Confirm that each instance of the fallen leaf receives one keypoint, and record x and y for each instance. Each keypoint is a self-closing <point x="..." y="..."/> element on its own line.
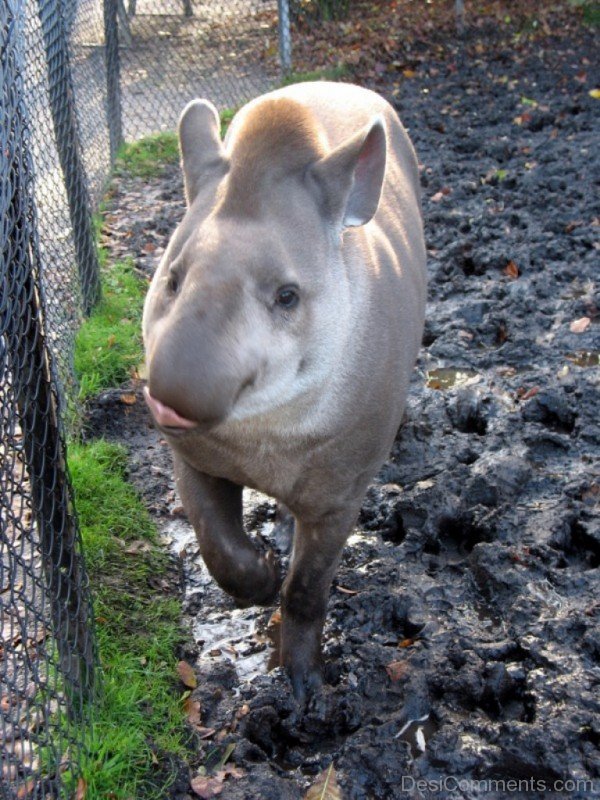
<point x="139" y="546"/>
<point x="275" y="618"/>
<point x="110" y="342"/>
<point x="511" y="270"/>
<point x="128" y="399"/>
<point x="396" y="669"/>
<point x="527" y="394"/>
<point x="406" y="643"/>
<point x="347" y="591"/>
<point x="325" y="787"/>
<point x="580" y="325"/>
<point x="206" y="787"/>
<point x="193" y="711"/>
<point x="409" y="73"/>
<point x="595" y="93"/>
<point x="25" y="789"/>
<point x="571" y="226"/>
<point x="81" y="789"/>
<point x="187" y="674"/>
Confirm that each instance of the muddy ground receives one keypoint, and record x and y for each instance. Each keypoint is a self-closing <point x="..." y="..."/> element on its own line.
<point x="463" y="636"/>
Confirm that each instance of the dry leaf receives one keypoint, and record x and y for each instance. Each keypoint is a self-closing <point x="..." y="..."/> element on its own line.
<point x="193" y="711"/>
<point x="396" y="669"/>
<point x="81" y="789"/>
<point x="206" y="787"/>
<point x="527" y="394"/>
<point x="347" y="591"/>
<point x="26" y="789"/>
<point x="580" y="325"/>
<point x="275" y="618"/>
<point x="325" y="787"/>
<point x="128" y="399"/>
<point x="187" y="674"/>
<point x="595" y="93"/>
<point x="139" y="546"/>
<point x="406" y="643"/>
<point x="511" y="270"/>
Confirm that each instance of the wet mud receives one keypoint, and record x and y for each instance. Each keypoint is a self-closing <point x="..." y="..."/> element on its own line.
<point x="463" y="636"/>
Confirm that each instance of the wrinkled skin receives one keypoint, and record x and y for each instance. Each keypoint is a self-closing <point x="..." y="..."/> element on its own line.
<point x="281" y="329"/>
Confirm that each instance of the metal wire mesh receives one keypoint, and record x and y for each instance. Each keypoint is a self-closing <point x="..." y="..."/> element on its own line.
<point x="77" y="77"/>
<point x="175" y="50"/>
<point x="46" y="647"/>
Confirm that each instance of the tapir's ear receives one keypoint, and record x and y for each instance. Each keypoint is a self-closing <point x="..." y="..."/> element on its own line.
<point x="202" y="151"/>
<point x="349" y="179"/>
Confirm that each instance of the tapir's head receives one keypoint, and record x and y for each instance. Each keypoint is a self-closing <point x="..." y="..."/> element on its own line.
<point x="250" y="303"/>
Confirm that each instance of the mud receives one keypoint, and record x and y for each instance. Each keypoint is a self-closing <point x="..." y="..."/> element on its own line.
<point x="463" y="635"/>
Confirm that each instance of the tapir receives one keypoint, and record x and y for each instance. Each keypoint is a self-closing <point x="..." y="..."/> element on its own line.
<point x="281" y="329"/>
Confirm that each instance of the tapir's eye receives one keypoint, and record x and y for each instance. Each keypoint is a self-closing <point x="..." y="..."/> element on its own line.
<point x="287" y="297"/>
<point x="172" y="283"/>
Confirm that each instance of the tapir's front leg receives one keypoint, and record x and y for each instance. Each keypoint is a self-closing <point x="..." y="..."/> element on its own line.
<point x="317" y="548"/>
<point x="214" y="507"/>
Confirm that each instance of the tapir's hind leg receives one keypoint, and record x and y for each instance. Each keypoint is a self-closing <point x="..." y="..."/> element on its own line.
<point x="214" y="507"/>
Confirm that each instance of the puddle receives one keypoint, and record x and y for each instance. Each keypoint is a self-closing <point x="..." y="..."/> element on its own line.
<point x="444" y="378"/>
<point x="417" y="733"/>
<point x="585" y="358"/>
<point x="249" y="637"/>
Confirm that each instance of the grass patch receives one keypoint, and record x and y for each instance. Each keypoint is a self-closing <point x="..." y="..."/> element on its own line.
<point x="139" y="727"/>
<point x="147" y="157"/>
<point x="108" y="346"/>
<point x="138" y="715"/>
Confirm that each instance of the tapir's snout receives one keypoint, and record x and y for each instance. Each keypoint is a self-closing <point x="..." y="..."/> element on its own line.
<point x="165" y="416"/>
<point x="194" y="380"/>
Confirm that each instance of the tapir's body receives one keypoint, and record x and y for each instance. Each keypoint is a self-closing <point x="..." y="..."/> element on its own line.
<point x="281" y="330"/>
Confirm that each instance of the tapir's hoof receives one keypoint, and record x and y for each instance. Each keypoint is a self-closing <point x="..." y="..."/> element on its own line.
<point x="306" y="681"/>
<point x="266" y="585"/>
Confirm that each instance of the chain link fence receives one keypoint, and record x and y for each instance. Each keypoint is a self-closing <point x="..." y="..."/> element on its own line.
<point x="77" y="78"/>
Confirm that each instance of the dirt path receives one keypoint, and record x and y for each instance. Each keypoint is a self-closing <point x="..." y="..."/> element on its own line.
<point x="463" y="636"/>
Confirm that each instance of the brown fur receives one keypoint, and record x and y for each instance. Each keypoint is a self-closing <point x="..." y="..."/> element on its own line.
<point x="278" y="137"/>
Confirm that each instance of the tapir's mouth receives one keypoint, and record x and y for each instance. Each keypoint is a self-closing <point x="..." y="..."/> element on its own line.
<point x="167" y="417"/>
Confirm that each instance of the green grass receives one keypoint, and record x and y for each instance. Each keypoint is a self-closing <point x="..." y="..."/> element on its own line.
<point x="139" y="723"/>
<point x="138" y="715"/>
<point x="148" y="157"/>
<point x="108" y="347"/>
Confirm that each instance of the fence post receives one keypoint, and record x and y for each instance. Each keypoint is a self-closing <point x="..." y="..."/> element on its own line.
<point x="459" y="12"/>
<point x="28" y="372"/>
<point x="66" y="133"/>
<point x="285" y="39"/>
<point x="113" y="79"/>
